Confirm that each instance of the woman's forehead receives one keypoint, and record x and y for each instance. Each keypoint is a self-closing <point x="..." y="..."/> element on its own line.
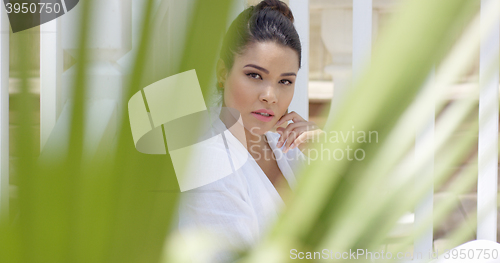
<point x="270" y="54"/>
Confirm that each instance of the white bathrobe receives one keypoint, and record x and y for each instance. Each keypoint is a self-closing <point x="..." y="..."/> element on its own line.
<point x="239" y="208"/>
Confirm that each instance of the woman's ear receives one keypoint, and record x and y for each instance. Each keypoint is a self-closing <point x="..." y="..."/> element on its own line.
<point x="221" y="71"/>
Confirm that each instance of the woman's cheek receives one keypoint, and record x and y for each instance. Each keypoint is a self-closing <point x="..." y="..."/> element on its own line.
<point x="237" y="98"/>
<point x="285" y="97"/>
<point x="242" y="95"/>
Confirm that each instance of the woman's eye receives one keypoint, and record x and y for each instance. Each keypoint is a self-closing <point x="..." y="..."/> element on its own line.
<point x="286" y="81"/>
<point x="254" y="75"/>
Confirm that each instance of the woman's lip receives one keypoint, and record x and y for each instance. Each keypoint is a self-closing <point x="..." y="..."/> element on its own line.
<point x="270" y="112"/>
<point x="262" y="118"/>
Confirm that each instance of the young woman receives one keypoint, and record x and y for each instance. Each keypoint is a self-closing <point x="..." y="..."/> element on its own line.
<point x="256" y="73"/>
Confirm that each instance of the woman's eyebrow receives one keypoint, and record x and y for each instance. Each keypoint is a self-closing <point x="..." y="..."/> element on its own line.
<point x="257" y="67"/>
<point x="267" y="71"/>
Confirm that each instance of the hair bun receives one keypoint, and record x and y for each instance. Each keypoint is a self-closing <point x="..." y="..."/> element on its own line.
<point x="275" y="5"/>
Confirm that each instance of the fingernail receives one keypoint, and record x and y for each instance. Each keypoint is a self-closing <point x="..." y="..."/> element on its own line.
<point x="279" y="144"/>
<point x="285" y="150"/>
<point x="292" y="146"/>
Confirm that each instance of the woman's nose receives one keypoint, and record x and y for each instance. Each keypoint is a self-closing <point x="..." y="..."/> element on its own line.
<point x="268" y="95"/>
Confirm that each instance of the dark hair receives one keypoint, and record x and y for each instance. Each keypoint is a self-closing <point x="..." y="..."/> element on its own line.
<point x="270" y="20"/>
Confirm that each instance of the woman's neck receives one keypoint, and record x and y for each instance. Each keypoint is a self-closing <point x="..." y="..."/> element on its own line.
<point x="256" y="140"/>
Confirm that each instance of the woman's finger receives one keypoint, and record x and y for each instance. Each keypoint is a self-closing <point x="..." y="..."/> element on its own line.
<point x="291" y="116"/>
<point x="291" y="138"/>
<point x="292" y="142"/>
<point x="286" y="131"/>
<point x="299" y="140"/>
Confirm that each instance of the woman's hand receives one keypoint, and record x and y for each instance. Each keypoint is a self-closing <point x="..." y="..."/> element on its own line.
<point x="296" y="134"/>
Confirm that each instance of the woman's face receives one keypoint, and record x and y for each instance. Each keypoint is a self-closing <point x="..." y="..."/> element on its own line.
<point x="262" y="80"/>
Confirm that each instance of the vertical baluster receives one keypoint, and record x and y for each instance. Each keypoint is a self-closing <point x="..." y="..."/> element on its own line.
<point x="4" y="114"/>
<point x="487" y="186"/>
<point x="109" y="40"/>
<point x="424" y="209"/>
<point x="300" y="102"/>
<point x="336" y="34"/>
<point x="126" y="62"/>
<point x="51" y="68"/>
<point x="361" y="35"/>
